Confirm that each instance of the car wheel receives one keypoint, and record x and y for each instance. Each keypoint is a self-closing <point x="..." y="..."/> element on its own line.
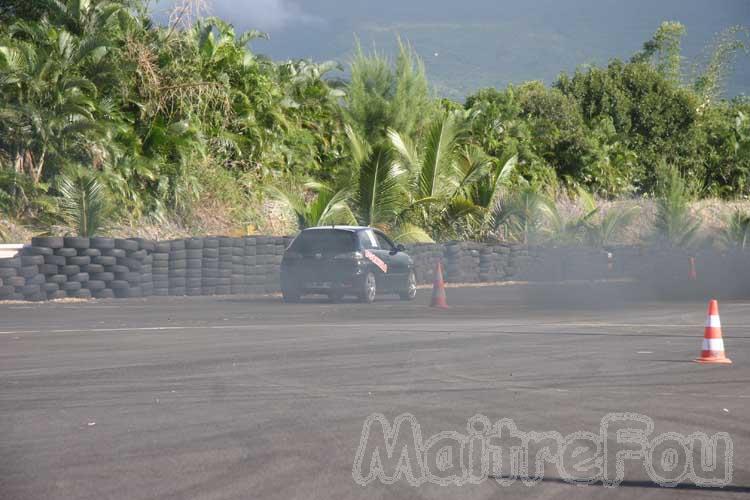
<point x="290" y="296"/>
<point x="411" y="288"/>
<point x="369" y="289"/>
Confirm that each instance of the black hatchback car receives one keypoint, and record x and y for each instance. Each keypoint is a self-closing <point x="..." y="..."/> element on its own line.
<point x="346" y="260"/>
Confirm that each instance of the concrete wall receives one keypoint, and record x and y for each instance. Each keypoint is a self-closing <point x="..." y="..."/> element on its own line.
<point x="56" y="267"/>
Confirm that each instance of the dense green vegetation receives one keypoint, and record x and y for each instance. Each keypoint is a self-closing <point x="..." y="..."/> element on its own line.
<point x="103" y="108"/>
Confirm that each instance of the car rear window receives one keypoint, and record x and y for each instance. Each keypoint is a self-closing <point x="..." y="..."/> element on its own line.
<point x="324" y="241"/>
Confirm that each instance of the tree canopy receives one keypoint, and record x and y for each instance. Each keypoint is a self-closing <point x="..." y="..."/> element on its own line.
<point x="167" y="117"/>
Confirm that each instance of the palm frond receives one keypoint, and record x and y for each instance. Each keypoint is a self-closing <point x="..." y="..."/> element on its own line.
<point x="331" y="207"/>
<point x="439" y="148"/>
<point x="520" y="213"/>
<point x="292" y="199"/>
<point x="472" y="165"/>
<point x="674" y="224"/>
<point x="380" y="195"/>
<point x="405" y="148"/>
<point x="407" y="233"/>
<point x="327" y="207"/>
<point x="249" y="36"/>
<point x="358" y="146"/>
<point x="83" y="203"/>
<point x="613" y="222"/>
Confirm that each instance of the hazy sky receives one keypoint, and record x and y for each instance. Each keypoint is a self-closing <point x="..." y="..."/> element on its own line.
<point x="470" y="43"/>
<point x="268" y="15"/>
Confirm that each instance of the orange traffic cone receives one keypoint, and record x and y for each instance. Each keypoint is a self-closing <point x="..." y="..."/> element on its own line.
<point x="692" y="274"/>
<point x="438" y="289"/>
<point x="713" y="344"/>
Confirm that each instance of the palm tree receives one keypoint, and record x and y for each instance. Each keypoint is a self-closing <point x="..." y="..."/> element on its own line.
<point x="486" y="191"/>
<point x="48" y="113"/>
<point x="381" y="95"/>
<point x="83" y="202"/>
<point x="379" y="195"/>
<point x="451" y="184"/>
<point x="521" y="213"/>
<point x="430" y="166"/>
<point x="85" y="16"/>
<point x="304" y="76"/>
<point x="600" y="232"/>
<point x="379" y="185"/>
<point x="328" y="207"/>
<point x="674" y="225"/>
<point x="561" y="228"/>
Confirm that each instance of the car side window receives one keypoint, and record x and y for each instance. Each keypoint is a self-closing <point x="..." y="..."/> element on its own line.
<point x="367" y="240"/>
<point x="384" y="242"/>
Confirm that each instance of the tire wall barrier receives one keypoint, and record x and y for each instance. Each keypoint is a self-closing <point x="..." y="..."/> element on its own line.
<point x="59" y="267"/>
<point x="665" y="271"/>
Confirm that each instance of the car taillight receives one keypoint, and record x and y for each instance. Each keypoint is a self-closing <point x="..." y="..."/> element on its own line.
<point x="353" y="256"/>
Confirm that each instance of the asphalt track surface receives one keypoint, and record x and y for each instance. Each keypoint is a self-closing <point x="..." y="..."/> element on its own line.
<point x="232" y="397"/>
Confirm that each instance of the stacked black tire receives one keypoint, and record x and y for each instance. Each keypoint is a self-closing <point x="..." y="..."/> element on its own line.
<point x="425" y="257"/>
<point x="462" y="262"/>
<point x="51" y="278"/>
<point x="520" y="262"/>
<point x="264" y="257"/>
<point x="160" y="268"/>
<point x="103" y="267"/>
<point x="273" y="284"/>
<point x="33" y="281"/>
<point x="9" y="279"/>
<point x="253" y="281"/>
<point x="210" y="266"/>
<point x="128" y="270"/>
<point x="226" y="252"/>
<point x="493" y="261"/>
<point x="20" y="278"/>
<point x="177" y="267"/>
<point x="626" y="260"/>
<point x="238" y="281"/>
<point x="146" y="249"/>
<point x="194" y="266"/>
<point x="78" y="254"/>
<point x="577" y="264"/>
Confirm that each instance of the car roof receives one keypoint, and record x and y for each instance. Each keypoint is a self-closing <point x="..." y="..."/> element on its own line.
<point x="352" y="229"/>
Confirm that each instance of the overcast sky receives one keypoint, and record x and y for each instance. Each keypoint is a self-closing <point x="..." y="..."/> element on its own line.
<point x="490" y="42"/>
<point x="268" y="15"/>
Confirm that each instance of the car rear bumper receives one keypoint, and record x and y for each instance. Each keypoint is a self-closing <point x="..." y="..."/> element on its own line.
<point x="307" y="281"/>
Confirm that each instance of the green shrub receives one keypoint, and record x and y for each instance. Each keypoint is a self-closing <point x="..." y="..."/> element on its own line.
<point x="737" y="233"/>
<point x="674" y="224"/>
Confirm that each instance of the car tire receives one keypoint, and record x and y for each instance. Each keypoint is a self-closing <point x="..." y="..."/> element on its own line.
<point x="290" y="296"/>
<point x="368" y="289"/>
<point x="411" y="287"/>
